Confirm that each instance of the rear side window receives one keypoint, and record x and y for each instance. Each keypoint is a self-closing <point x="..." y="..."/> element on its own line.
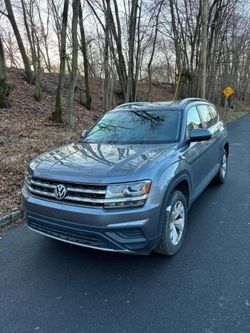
<point x="214" y="112"/>
<point x="207" y="115"/>
<point x="193" y="119"/>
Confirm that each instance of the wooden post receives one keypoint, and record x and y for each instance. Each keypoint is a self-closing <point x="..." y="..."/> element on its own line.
<point x="226" y="102"/>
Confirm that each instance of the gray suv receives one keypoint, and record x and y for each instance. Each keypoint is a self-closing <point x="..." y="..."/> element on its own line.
<point x="127" y="185"/>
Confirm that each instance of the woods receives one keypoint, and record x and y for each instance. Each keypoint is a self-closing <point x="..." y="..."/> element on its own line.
<point x="196" y="46"/>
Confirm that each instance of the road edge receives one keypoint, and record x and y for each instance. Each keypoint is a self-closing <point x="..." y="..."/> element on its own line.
<point x="10" y="217"/>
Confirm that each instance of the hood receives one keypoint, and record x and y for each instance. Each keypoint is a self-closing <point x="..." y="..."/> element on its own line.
<point x="101" y="163"/>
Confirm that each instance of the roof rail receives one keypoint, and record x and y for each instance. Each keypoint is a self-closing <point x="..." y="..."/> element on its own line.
<point x="192" y="99"/>
<point x="131" y="105"/>
<point x="181" y="102"/>
<point x="163" y="103"/>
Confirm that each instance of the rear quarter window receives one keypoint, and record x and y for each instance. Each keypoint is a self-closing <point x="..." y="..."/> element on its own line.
<point x="214" y="112"/>
<point x="208" y="116"/>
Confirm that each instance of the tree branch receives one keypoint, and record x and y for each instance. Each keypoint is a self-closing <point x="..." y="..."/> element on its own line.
<point x="3" y="13"/>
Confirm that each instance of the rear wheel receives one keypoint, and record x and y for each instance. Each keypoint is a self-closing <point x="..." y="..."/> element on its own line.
<point x="222" y="173"/>
<point x="174" y="221"/>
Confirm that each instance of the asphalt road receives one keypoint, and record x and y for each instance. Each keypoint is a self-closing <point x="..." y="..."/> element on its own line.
<point x="49" y="286"/>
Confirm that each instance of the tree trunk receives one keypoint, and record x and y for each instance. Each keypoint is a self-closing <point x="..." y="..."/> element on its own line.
<point x="153" y="50"/>
<point x="120" y="65"/>
<point x="45" y="33"/>
<point x="203" y="52"/>
<point x="34" y="42"/>
<point x="4" y="88"/>
<point x="176" y="37"/>
<point x="38" y="80"/>
<point x="88" y="98"/>
<point x="138" y="56"/>
<point x="115" y="40"/>
<point x="130" y="96"/>
<point x="106" y="81"/>
<point x="57" y="113"/>
<point x="11" y="17"/>
<point x="68" y="114"/>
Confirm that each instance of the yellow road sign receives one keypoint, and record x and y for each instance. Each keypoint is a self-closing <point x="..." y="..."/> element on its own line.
<point x="228" y="91"/>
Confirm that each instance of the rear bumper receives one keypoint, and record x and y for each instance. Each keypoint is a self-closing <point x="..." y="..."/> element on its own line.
<point x="134" y="230"/>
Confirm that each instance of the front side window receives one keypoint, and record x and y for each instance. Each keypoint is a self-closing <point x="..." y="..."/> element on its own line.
<point x="136" y="126"/>
<point x="193" y="119"/>
<point x="207" y="115"/>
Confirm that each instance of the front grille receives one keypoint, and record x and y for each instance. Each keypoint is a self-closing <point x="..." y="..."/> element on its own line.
<point x="81" y="194"/>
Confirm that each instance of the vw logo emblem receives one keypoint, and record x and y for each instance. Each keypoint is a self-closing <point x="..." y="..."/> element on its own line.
<point x="60" y="192"/>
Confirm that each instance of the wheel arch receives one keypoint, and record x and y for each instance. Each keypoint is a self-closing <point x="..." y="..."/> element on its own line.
<point x="181" y="183"/>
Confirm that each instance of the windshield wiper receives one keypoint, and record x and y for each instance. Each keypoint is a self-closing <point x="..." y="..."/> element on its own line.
<point x="87" y="141"/>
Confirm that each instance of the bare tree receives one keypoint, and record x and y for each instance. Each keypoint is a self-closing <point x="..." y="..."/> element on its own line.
<point x="4" y="88"/>
<point x="34" y="43"/>
<point x="127" y="72"/>
<point x="57" y="113"/>
<point x="10" y="49"/>
<point x="44" y="31"/>
<point x="157" y="16"/>
<point x="130" y="95"/>
<point x="202" y="77"/>
<point x="106" y="85"/>
<point x="55" y="7"/>
<point x="11" y="17"/>
<point x="68" y="112"/>
<point x="88" y="98"/>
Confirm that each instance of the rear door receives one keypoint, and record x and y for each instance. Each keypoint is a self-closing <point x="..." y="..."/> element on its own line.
<point x="210" y="121"/>
<point x="217" y="132"/>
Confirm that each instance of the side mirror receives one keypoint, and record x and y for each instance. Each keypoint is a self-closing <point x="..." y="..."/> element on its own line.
<point x="84" y="133"/>
<point x="200" y="134"/>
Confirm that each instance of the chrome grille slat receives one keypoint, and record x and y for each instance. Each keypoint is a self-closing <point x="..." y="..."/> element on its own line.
<point x="83" y="194"/>
<point x="44" y="193"/>
<point x="37" y="183"/>
<point x="79" y="190"/>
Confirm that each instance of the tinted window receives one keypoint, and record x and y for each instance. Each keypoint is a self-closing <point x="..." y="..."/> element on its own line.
<point x="136" y="126"/>
<point x="207" y="115"/>
<point x="193" y="119"/>
<point x="215" y="113"/>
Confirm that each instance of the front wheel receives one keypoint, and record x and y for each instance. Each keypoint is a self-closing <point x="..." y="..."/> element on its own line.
<point x="222" y="173"/>
<point x="174" y="221"/>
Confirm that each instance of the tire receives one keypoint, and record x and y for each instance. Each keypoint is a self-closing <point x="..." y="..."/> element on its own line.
<point x="172" y="236"/>
<point x="220" y="178"/>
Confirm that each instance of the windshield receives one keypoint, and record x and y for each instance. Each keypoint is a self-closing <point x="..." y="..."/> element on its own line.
<point x="136" y="126"/>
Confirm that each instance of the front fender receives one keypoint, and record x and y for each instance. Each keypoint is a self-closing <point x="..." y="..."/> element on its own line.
<point x="171" y="177"/>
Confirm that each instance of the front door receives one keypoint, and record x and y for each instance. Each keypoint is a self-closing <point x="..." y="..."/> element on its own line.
<point x="196" y="154"/>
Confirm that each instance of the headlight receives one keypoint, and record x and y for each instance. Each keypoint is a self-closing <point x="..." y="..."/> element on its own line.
<point x="132" y="194"/>
<point x="33" y="164"/>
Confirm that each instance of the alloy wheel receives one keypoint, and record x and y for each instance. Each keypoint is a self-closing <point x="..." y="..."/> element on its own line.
<point x="177" y="222"/>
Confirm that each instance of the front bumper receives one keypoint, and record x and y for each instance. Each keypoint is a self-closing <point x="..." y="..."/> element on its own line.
<point x="134" y="230"/>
